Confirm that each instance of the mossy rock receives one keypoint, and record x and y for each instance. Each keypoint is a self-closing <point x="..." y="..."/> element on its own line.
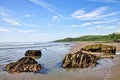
<point x="79" y="60"/>
<point x="106" y="49"/>
<point x="25" y="64"/>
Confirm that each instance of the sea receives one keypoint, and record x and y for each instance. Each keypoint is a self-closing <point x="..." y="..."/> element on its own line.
<point x="52" y="52"/>
<point x="51" y="61"/>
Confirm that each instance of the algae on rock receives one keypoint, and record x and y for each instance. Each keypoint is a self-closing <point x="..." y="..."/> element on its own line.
<point x="79" y="60"/>
<point x="106" y="49"/>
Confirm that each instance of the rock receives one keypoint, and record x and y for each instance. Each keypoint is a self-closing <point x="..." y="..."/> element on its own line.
<point x="33" y="53"/>
<point x="25" y="64"/>
<point x="106" y="49"/>
<point x="79" y="60"/>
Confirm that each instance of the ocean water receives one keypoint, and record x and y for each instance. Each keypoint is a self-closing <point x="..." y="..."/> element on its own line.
<point x="52" y="53"/>
<point x="52" y="56"/>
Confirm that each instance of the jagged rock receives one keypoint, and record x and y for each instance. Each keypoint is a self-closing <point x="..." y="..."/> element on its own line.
<point x="106" y="49"/>
<point x="25" y="64"/>
<point x="33" y="53"/>
<point x="79" y="60"/>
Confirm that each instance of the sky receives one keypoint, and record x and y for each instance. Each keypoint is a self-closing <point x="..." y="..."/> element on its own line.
<point x="49" y="20"/>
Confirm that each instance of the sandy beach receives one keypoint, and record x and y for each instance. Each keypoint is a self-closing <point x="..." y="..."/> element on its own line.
<point x="47" y="39"/>
<point x="113" y="71"/>
<point x="107" y="69"/>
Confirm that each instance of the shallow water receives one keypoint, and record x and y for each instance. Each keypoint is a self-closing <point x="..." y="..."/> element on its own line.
<point x="52" y="55"/>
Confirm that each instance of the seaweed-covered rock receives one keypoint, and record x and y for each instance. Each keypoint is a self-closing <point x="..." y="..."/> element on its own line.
<point x="33" y="53"/>
<point x="25" y="64"/>
<point x="106" y="49"/>
<point x="79" y="60"/>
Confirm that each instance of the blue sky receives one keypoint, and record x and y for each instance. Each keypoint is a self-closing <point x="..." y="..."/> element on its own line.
<point x="48" y="20"/>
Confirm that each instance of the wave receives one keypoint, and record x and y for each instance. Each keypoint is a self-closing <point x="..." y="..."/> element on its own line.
<point x="17" y="45"/>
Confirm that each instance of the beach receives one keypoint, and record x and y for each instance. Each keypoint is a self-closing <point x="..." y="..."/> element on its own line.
<point x="107" y="69"/>
<point x="112" y="72"/>
<point x="59" y="39"/>
<point x="79" y="45"/>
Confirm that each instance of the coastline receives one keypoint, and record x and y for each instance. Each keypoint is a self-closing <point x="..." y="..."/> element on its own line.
<point x="113" y="71"/>
<point x="108" y="69"/>
<point x="78" y="45"/>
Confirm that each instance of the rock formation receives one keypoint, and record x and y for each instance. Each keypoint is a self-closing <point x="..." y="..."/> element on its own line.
<point x="79" y="60"/>
<point x="106" y="49"/>
<point x="33" y="53"/>
<point x="25" y="64"/>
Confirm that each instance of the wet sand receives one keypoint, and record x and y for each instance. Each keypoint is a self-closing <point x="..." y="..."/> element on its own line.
<point x="107" y="69"/>
<point x="111" y="72"/>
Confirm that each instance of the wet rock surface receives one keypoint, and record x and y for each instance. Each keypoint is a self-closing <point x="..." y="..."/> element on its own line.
<point x="25" y="64"/>
<point x="33" y="53"/>
<point x="79" y="60"/>
<point x="106" y="49"/>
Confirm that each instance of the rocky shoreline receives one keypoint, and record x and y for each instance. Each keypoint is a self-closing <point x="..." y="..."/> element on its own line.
<point x="108" y="69"/>
<point x="114" y="71"/>
<point x="83" y="58"/>
<point x="25" y="64"/>
<point x="79" y="45"/>
<point x="88" y="56"/>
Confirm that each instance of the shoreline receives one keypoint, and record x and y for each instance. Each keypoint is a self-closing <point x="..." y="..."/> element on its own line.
<point x="108" y="69"/>
<point x="78" y="45"/>
<point x="113" y="70"/>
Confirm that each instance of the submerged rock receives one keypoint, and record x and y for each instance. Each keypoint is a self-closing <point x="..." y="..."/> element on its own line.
<point x="33" y="53"/>
<point x="79" y="60"/>
<point x="25" y="64"/>
<point x="106" y="49"/>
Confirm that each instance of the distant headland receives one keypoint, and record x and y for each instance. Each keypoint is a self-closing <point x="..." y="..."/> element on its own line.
<point x="114" y="37"/>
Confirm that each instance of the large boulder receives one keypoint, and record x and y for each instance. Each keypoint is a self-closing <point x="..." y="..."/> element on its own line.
<point x="33" y="53"/>
<point x="25" y="64"/>
<point x="106" y="49"/>
<point x="79" y="60"/>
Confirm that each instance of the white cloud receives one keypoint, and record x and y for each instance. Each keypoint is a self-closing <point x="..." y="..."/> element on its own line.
<point x="24" y="31"/>
<point x="55" y="17"/>
<point x="74" y="25"/>
<point x="86" y="24"/>
<point x="92" y="23"/>
<point x="93" y="15"/>
<point x="28" y="15"/>
<point x="97" y="24"/>
<point x="29" y="31"/>
<point x="106" y="1"/>
<point x="44" y="5"/>
<point x="101" y="22"/>
<point x="4" y="30"/>
<point x="11" y="21"/>
<point x="7" y="18"/>
<point x="47" y="6"/>
<point x="104" y="27"/>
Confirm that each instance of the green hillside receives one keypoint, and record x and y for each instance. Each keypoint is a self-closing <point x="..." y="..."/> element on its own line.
<point x="110" y="38"/>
